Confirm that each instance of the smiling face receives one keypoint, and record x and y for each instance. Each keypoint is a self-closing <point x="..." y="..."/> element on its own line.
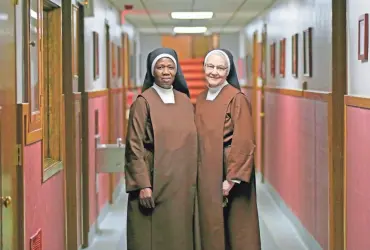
<point x="164" y="72"/>
<point x="215" y="70"/>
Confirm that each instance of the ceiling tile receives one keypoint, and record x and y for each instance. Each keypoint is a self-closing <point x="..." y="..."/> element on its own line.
<point x="223" y="12"/>
<point x="168" y="8"/>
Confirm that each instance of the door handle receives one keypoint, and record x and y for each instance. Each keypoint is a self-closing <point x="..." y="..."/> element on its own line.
<point x="7" y="201"/>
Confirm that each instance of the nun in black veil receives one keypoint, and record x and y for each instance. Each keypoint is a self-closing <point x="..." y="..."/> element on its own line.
<point x="161" y="159"/>
<point x="226" y="179"/>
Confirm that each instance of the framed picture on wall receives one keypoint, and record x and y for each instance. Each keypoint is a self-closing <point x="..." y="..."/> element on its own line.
<point x="363" y="38"/>
<point x="119" y="63"/>
<point x="295" y="55"/>
<point x="263" y="47"/>
<point x="307" y="52"/>
<point x="133" y="64"/>
<point x="248" y="66"/>
<point x="96" y="54"/>
<point x="282" y="57"/>
<point x="272" y="59"/>
<point x="113" y="58"/>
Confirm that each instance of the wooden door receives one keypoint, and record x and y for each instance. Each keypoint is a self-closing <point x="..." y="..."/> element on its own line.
<point x="111" y="77"/>
<point x="261" y="100"/>
<point x="77" y="30"/>
<point x="181" y="43"/>
<point x="201" y="45"/>
<point x="9" y="216"/>
<point x="255" y="73"/>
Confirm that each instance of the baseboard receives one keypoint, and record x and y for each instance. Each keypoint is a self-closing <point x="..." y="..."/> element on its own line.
<point x="306" y="236"/>
<point x="101" y="216"/>
<point x="120" y="188"/>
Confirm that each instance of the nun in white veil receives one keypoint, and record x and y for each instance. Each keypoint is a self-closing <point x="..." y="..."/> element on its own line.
<point x="228" y="215"/>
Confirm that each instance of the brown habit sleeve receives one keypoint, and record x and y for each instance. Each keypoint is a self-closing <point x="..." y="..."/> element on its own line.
<point x="240" y="158"/>
<point x="136" y="170"/>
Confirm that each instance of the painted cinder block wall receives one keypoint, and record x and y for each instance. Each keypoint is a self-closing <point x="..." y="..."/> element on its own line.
<point x="357" y="136"/>
<point x="296" y="129"/>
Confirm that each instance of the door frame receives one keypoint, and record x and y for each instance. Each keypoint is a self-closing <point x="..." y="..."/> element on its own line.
<point x="83" y="145"/>
<point x="70" y="173"/>
<point x="336" y="128"/>
<point x="84" y="123"/>
<point x="12" y="218"/>
<point x="261" y="100"/>
<point x="110" y="106"/>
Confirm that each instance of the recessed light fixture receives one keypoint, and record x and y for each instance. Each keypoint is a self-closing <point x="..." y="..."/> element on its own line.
<point x="190" y="29"/>
<point x="192" y="15"/>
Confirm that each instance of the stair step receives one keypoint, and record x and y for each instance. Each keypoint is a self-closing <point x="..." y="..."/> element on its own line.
<point x="192" y="68"/>
<point x="196" y="84"/>
<point x="194" y="76"/>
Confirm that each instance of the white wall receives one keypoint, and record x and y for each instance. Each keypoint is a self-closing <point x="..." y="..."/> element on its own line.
<point x="358" y="72"/>
<point x="283" y="20"/>
<point x="231" y="42"/>
<point x="19" y="51"/>
<point x="148" y="42"/>
<point x="103" y="12"/>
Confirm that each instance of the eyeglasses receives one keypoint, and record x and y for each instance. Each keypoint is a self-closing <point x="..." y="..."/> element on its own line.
<point x="219" y="69"/>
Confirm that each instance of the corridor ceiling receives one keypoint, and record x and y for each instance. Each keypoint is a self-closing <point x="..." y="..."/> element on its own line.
<point x="155" y="15"/>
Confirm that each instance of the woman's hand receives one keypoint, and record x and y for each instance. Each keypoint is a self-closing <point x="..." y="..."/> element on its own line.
<point x="146" y="198"/>
<point x="226" y="187"/>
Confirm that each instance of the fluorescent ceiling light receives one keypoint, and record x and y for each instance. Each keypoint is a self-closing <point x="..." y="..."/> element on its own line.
<point x="33" y="14"/>
<point x="190" y="29"/>
<point x="4" y="16"/>
<point x="192" y="15"/>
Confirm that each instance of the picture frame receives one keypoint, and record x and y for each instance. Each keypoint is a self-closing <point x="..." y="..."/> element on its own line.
<point x="119" y="61"/>
<point x="282" y="57"/>
<point x="363" y="38"/>
<point x="263" y="58"/>
<point x="295" y="55"/>
<point x="273" y="60"/>
<point x="261" y="71"/>
<point x="113" y="58"/>
<point x="96" y="54"/>
<point x="307" y="52"/>
<point x="248" y="65"/>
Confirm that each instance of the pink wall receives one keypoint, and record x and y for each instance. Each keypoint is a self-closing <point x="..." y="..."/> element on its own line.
<point x="296" y="158"/>
<point x="118" y="121"/>
<point x="44" y="202"/>
<point x="257" y="111"/>
<point x="357" y="137"/>
<point x="99" y="103"/>
<point x="357" y="178"/>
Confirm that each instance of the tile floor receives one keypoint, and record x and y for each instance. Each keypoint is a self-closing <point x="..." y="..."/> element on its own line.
<point x="277" y="232"/>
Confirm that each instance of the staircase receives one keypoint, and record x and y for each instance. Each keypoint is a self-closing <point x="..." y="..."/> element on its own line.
<point x="193" y="71"/>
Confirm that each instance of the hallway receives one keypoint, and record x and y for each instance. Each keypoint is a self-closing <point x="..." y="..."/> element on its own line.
<point x="70" y="71"/>
<point x="277" y="230"/>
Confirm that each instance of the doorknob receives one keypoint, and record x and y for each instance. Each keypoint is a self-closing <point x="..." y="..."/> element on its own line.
<point x="7" y="200"/>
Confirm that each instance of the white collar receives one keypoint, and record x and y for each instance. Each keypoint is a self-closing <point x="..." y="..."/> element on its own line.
<point x="213" y="92"/>
<point x="167" y="95"/>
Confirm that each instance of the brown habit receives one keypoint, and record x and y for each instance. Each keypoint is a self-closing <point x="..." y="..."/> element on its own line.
<point x="226" y="144"/>
<point x="161" y="153"/>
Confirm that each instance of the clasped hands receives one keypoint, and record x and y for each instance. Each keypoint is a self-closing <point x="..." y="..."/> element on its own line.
<point x="146" y="198"/>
